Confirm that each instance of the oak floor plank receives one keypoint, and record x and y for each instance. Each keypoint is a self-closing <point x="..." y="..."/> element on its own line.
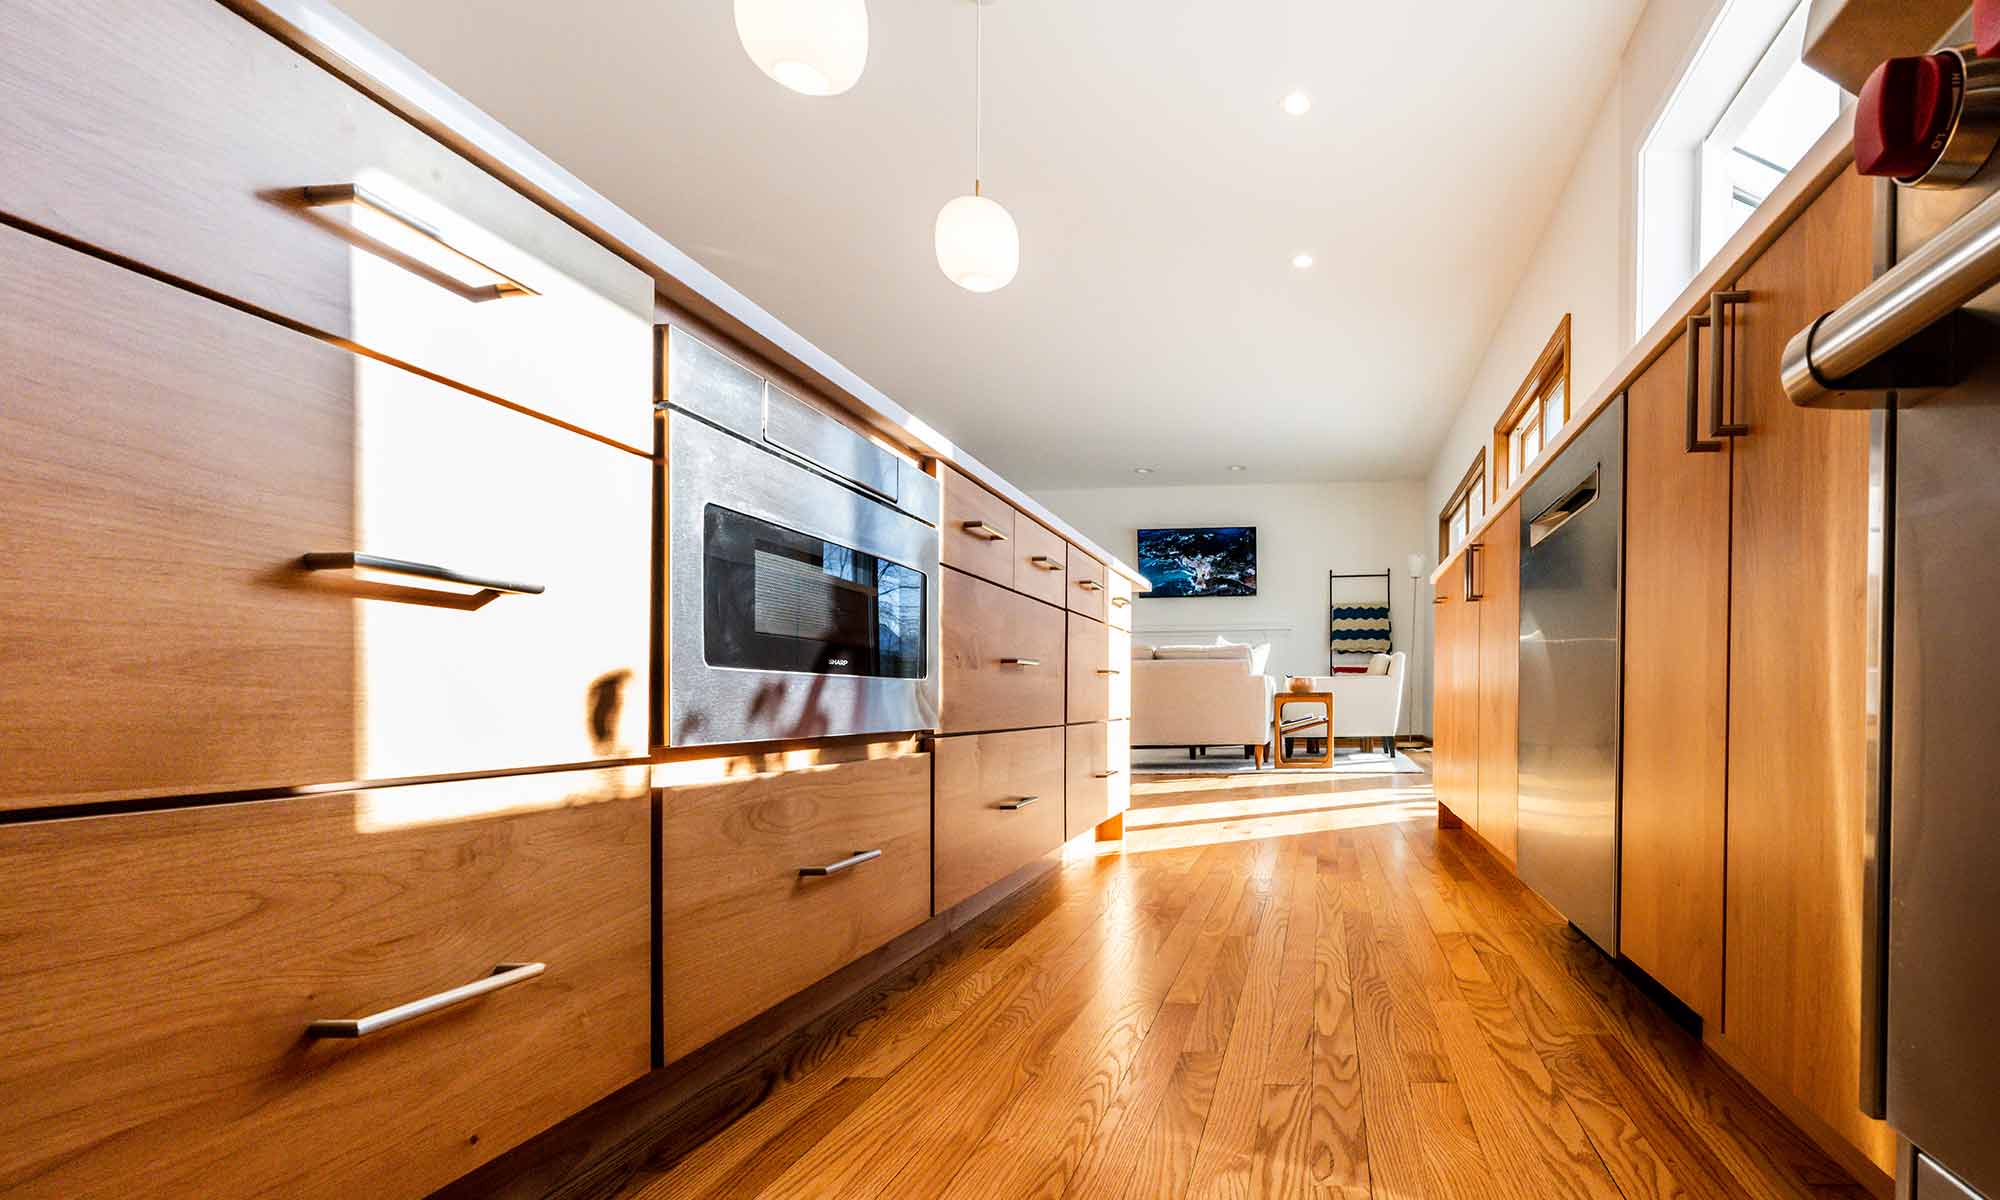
<point x="1337" y="1129"/>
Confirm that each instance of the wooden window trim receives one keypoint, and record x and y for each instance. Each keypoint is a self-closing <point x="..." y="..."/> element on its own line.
<point x="1551" y="368"/>
<point x="1474" y="477"/>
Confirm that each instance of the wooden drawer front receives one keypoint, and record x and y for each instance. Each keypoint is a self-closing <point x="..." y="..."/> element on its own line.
<point x="1087" y="590"/>
<point x="1041" y="567"/>
<point x="984" y="830"/>
<point x="978" y="530"/>
<point x="1097" y="773"/>
<point x="1118" y="599"/>
<point x="177" y="134"/>
<point x="741" y="928"/>
<point x="1100" y="671"/>
<point x="164" y="967"/>
<point x="169" y="461"/>
<point x="1003" y="658"/>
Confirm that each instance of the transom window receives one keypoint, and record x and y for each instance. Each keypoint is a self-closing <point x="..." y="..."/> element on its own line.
<point x="1538" y="412"/>
<point x="1466" y="508"/>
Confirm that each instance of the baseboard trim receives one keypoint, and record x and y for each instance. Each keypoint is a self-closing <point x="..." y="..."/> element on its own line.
<point x="1866" y="1171"/>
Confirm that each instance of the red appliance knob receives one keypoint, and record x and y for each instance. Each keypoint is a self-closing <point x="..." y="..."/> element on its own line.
<point x="1986" y="27"/>
<point x="1905" y="114"/>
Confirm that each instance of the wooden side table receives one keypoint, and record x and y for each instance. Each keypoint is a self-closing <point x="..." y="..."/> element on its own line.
<point x="1280" y="727"/>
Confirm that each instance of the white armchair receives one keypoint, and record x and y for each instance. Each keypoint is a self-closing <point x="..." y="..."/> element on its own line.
<point x="1364" y="706"/>
<point x="1199" y="696"/>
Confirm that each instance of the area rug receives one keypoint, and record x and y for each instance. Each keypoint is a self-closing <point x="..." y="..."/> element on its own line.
<point x="1353" y="762"/>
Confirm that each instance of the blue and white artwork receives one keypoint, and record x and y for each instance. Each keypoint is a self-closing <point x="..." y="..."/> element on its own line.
<point x="1219" y="561"/>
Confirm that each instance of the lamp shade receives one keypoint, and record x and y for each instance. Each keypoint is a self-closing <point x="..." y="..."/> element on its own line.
<point x="978" y="247"/>
<point x="817" y="47"/>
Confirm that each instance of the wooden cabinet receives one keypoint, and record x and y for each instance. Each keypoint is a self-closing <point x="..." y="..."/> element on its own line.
<point x="997" y="806"/>
<point x="1003" y="658"/>
<point x="1097" y="775"/>
<point x="1118" y="595"/>
<point x="1455" y="697"/>
<point x="1041" y="566"/>
<point x="1676" y="699"/>
<point x="1497" y="613"/>
<point x="1099" y="668"/>
<point x="180" y="136"/>
<point x="164" y="967"/>
<point x="170" y="459"/>
<point x="1797" y="613"/>
<point x="978" y="535"/>
<point x="1087" y="590"/>
<point x="764" y="888"/>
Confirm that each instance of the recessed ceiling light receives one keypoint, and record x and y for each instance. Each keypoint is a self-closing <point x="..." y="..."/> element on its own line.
<point x="1142" y="470"/>
<point x="1238" y="467"/>
<point x="1302" y="261"/>
<point x="1296" y="103"/>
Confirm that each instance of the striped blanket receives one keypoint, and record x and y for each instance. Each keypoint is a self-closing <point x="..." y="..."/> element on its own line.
<point x="1359" y="629"/>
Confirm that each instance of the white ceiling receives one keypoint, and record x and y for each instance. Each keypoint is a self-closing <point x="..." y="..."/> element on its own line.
<point x="1160" y="192"/>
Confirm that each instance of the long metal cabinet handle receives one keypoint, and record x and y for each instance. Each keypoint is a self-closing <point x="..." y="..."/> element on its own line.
<point x="324" y="196"/>
<point x="1046" y="563"/>
<point x="1722" y="364"/>
<point x="349" y="561"/>
<point x="1695" y="442"/>
<point x="1107" y="774"/>
<point x="505" y="975"/>
<point x="1017" y="804"/>
<point x="1473" y="593"/>
<point x="1109" y="671"/>
<point x="981" y="529"/>
<point x="1020" y="662"/>
<point x="834" y="868"/>
<point x="1941" y="277"/>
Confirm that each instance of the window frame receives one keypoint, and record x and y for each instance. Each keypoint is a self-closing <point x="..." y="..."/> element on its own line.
<point x="1526" y="412"/>
<point x="1471" y="490"/>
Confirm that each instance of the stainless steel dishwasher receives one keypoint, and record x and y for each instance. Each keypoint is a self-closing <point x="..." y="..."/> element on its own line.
<point x="1572" y="534"/>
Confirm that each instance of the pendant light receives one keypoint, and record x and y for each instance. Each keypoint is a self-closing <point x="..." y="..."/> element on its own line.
<point x="978" y="246"/>
<point x="817" y="47"/>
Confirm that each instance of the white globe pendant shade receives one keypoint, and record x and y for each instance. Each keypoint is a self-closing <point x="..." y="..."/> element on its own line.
<point x="978" y="247"/>
<point x="817" y="47"/>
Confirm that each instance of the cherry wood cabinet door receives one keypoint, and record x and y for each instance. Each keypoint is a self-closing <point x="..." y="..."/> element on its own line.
<point x="1498" y="614"/>
<point x="1798" y="566"/>
<point x="1676" y="728"/>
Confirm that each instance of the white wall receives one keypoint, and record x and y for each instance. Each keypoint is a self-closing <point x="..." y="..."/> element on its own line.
<point x="1304" y="530"/>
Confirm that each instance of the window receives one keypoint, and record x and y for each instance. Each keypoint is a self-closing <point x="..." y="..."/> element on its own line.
<point x="1741" y="117"/>
<point x="1465" y="509"/>
<point x="1537" y="413"/>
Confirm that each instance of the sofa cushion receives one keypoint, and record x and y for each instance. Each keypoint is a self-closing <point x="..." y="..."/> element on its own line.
<point x="1378" y="665"/>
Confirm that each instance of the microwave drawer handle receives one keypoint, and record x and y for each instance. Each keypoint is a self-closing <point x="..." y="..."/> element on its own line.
<point x="505" y="975"/>
<point x="348" y="561"/>
<point x="329" y="195"/>
<point x="834" y="868"/>
<point x="1016" y="804"/>
<point x="981" y="529"/>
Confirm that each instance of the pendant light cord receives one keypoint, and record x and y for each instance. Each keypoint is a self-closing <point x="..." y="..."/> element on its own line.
<point x="978" y="98"/>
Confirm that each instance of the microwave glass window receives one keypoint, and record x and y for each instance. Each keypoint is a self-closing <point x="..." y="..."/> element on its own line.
<point x="775" y="599"/>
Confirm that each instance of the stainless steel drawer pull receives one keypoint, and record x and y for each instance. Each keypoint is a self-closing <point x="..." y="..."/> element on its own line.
<point x="505" y="975"/>
<point x="348" y="561"/>
<point x="1046" y="563"/>
<point x="982" y="530"/>
<point x="834" y="868"/>
<point x="1109" y="671"/>
<point x="1106" y="774"/>
<point x="349" y="193"/>
<point x="1017" y="804"/>
<point x="1121" y="601"/>
<point x="1020" y="662"/>
<point x="1090" y="585"/>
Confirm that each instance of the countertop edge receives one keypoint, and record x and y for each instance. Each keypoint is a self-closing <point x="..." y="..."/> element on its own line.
<point x="319" y="30"/>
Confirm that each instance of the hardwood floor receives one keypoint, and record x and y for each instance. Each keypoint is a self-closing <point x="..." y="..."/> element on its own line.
<point x="1281" y="988"/>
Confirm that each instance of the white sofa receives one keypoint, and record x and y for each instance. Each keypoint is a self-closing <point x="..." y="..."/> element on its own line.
<point x="1364" y="706"/>
<point x="1201" y="696"/>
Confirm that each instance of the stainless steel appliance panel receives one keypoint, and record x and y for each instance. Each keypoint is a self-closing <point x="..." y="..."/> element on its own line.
<point x="712" y="705"/>
<point x="1572" y="534"/>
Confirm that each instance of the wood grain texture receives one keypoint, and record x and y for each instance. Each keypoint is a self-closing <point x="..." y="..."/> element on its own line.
<point x="171" y="460"/>
<point x="1676" y="726"/>
<point x="983" y="626"/>
<point x="1041" y="562"/>
<point x="976" y="841"/>
<point x="990" y="551"/>
<point x="1086" y="592"/>
<point x="163" y="968"/>
<point x="1098" y="671"/>
<point x="179" y="135"/>
<point x="1455" y="699"/>
<point x="1135" y="1036"/>
<point x="1499" y="616"/>
<point x="1097" y="774"/>
<point x="740" y="929"/>
<point x="1797" y="642"/>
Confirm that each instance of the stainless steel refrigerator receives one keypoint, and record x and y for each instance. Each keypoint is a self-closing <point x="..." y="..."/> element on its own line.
<point x="1930" y="325"/>
<point x="1572" y="532"/>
